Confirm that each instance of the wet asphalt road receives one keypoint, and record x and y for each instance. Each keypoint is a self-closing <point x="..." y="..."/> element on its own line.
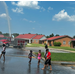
<point x="17" y="63"/>
<point x="36" y="49"/>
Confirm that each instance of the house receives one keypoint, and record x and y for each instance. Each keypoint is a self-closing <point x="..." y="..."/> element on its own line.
<point x="29" y="38"/>
<point x="26" y="37"/>
<point x="73" y="43"/>
<point x="38" y="39"/>
<point x="64" y="40"/>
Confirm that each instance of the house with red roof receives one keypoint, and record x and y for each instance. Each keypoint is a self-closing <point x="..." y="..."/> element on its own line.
<point x="26" y="37"/>
<point x="64" y="40"/>
<point x="38" y="39"/>
<point x="29" y="38"/>
<point x="73" y="43"/>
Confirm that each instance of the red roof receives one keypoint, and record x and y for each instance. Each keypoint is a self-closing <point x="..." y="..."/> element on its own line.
<point x="38" y="36"/>
<point x="73" y="40"/>
<point x="1" y="35"/>
<point x="26" y="36"/>
<point x="56" y="37"/>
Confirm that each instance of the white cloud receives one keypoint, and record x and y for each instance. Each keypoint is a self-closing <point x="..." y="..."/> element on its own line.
<point x="18" y="10"/>
<point x="62" y="15"/>
<point x="29" y="20"/>
<point x="43" y="8"/>
<point x="29" y="4"/>
<point x="3" y="15"/>
<point x="50" y="8"/>
<point x="25" y="19"/>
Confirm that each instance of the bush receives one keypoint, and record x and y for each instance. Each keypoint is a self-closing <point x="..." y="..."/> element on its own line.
<point x="57" y="44"/>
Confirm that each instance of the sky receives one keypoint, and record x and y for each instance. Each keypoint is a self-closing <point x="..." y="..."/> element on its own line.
<point x="42" y="17"/>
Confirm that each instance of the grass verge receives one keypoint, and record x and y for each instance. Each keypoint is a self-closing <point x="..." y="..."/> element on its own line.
<point x="61" y="56"/>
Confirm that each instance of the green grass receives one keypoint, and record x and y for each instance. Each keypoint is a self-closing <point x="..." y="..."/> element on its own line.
<point x="62" y="56"/>
<point x="34" y="45"/>
<point x="65" y="48"/>
<point x="55" y="47"/>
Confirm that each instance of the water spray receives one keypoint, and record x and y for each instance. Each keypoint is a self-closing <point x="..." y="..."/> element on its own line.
<point x="8" y="18"/>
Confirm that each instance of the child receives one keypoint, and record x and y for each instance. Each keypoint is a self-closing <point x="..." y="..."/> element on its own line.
<point x="30" y="56"/>
<point x="39" y="56"/>
<point x="3" y="52"/>
<point x="48" y="60"/>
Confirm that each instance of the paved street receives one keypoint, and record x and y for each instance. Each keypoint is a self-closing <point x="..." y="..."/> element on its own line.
<point x="17" y="63"/>
<point x="36" y="49"/>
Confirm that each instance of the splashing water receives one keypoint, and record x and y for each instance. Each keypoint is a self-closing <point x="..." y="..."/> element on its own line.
<point x="8" y="18"/>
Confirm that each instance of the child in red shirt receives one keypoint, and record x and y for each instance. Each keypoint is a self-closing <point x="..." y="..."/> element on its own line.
<point x="48" y="59"/>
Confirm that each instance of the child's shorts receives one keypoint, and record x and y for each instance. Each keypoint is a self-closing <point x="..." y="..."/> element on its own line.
<point x="3" y="52"/>
<point x="48" y="61"/>
<point x="39" y="57"/>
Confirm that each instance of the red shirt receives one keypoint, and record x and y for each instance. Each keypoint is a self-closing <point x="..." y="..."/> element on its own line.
<point x="48" y="54"/>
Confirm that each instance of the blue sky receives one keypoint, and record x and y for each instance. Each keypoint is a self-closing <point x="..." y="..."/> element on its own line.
<point x="42" y="17"/>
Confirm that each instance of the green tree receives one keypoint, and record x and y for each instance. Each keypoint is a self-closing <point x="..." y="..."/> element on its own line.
<point x="29" y="33"/>
<point x="74" y="36"/>
<point x="57" y="35"/>
<point x="6" y="34"/>
<point x="52" y="35"/>
<point x="0" y="32"/>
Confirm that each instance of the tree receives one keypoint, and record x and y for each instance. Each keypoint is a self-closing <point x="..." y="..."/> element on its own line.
<point x="47" y="36"/>
<point x="0" y="32"/>
<point x="57" y="35"/>
<point x="29" y="33"/>
<point x="52" y="35"/>
<point x="74" y="36"/>
<point x="6" y="34"/>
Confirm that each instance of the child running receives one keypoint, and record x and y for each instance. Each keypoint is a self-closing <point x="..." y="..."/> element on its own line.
<point x="30" y="56"/>
<point x="3" y="52"/>
<point x="39" y="56"/>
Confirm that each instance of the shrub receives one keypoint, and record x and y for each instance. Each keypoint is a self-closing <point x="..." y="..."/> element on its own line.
<point x="57" y="44"/>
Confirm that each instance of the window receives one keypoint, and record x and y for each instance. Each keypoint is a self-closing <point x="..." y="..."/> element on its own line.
<point x="69" y="42"/>
<point x="64" y="42"/>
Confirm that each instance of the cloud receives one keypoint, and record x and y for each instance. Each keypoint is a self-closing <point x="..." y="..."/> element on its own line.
<point x="62" y="15"/>
<point x="25" y="19"/>
<point x="29" y="4"/>
<point x="43" y="8"/>
<point x="29" y="20"/>
<point x="3" y="15"/>
<point x="18" y="10"/>
<point x="50" y="8"/>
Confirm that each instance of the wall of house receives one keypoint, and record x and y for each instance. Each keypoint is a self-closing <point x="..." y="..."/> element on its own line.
<point x="43" y="38"/>
<point x="66" y="39"/>
<point x="35" y="41"/>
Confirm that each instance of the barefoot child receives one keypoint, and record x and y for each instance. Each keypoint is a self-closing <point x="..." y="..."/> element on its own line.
<point x="3" y="52"/>
<point x="30" y="56"/>
<point x="48" y="60"/>
<point x="39" y="56"/>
